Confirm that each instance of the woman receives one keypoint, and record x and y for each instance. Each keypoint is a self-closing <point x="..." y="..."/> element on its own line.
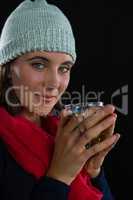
<point x="42" y="155"/>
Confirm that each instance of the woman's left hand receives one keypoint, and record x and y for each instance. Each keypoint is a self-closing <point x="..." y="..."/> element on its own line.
<point x="93" y="165"/>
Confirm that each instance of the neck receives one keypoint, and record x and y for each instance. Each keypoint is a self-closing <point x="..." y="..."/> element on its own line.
<point x="32" y="117"/>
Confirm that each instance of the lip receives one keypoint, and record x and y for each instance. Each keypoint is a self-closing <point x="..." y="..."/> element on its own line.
<point x="49" y="97"/>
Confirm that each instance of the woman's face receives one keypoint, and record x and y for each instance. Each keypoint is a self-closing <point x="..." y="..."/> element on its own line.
<point x="40" y="78"/>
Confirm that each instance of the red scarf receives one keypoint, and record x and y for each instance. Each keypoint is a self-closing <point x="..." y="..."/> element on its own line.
<point x="32" y="147"/>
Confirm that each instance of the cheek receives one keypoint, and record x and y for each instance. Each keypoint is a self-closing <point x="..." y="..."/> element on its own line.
<point x="34" y="81"/>
<point x="64" y="83"/>
<point x="25" y="81"/>
<point x="27" y="78"/>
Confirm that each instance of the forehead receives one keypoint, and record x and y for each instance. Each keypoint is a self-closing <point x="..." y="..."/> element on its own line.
<point x="52" y="56"/>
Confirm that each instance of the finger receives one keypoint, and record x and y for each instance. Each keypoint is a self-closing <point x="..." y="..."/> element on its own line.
<point x="99" y="115"/>
<point x="95" y="131"/>
<point x="115" y="142"/>
<point x="96" y="161"/>
<point x="75" y="120"/>
<point x="64" y="116"/>
<point x="99" y="158"/>
<point x="107" y="150"/>
<point x="109" y="131"/>
<point x="90" y="111"/>
<point x="101" y="146"/>
<point x="72" y="127"/>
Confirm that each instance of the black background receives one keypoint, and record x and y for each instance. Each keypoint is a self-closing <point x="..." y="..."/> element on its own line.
<point x="104" y="43"/>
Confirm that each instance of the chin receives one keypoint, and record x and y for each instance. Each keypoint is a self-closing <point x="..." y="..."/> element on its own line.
<point x="43" y="110"/>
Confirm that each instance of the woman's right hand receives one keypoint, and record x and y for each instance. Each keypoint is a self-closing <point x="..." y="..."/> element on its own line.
<point x="70" y="154"/>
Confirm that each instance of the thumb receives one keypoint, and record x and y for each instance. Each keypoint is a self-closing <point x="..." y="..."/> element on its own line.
<point x="65" y="115"/>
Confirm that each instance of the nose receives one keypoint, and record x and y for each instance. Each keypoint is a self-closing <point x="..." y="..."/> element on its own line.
<point x="52" y="80"/>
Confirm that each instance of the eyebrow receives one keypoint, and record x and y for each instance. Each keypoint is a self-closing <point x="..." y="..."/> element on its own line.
<point x="48" y="60"/>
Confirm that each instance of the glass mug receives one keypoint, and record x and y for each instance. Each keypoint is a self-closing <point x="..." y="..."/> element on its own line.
<point x="80" y="108"/>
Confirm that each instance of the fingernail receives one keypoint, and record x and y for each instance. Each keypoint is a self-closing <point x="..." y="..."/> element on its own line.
<point x="115" y="115"/>
<point x="116" y="140"/>
<point x="117" y="136"/>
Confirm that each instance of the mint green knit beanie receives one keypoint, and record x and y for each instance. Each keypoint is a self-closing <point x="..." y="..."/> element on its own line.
<point x="36" y="26"/>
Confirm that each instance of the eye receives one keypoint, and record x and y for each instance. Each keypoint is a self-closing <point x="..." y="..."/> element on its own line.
<point x="64" y="69"/>
<point x="39" y="66"/>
